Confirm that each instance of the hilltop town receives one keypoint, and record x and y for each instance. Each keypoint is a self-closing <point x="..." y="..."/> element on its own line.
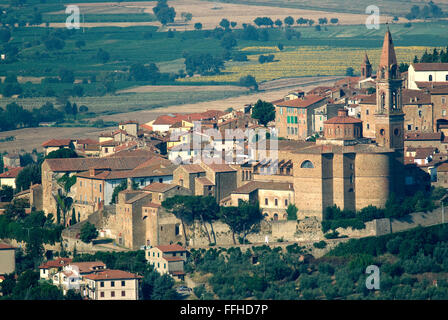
<point x="365" y="157"/>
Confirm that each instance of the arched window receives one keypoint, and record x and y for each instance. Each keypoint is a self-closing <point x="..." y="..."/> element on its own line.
<point x="307" y="164"/>
<point x="430" y="77"/>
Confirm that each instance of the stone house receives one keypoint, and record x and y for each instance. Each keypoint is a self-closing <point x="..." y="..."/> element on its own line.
<point x="168" y="259"/>
<point x="7" y="259"/>
<point x="112" y="285"/>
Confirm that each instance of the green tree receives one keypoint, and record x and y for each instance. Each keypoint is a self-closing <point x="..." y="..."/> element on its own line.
<point x="122" y="186"/>
<point x="181" y="207"/>
<point x="63" y="153"/>
<point x="289" y="21"/>
<point x="291" y="212"/>
<point x="249" y="82"/>
<point x="242" y="220"/>
<point x="264" y="112"/>
<point x="31" y="174"/>
<point x="88" y="232"/>
<point x="6" y="193"/>
<point x="164" y="13"/>
<point x="198" y="26"/>
<point x="350" y="72"/>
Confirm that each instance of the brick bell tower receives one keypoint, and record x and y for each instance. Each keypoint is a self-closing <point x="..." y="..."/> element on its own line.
<point x="389" y="116"/>
<point x="366" y="68"/>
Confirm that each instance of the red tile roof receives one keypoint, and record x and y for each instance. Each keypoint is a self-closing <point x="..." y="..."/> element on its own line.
<point x="4" y="246"/>
<point x="172" y="259"/>
<point x="56" y="143"/>
<point x="11" y="173"/>
<point x="88" y="266"/>
<point x="159" y="187"/>
<point x="152" y="205"/>
<point x="82" y="164"/>
<point x="220" y="167"/>
<point x="59" y="262"/>
<point x="342" y="120"/>
<point x="430" y="66"/>
<point x="301" y="102"/>
<point x="112" y="275"/>
<point x="171" y="248"/>
<point x="192" y="168"/>
<point x="419" y="136"/>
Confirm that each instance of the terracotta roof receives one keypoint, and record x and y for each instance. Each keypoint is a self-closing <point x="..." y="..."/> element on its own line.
<point x="192" y="168"/>
<point x="422" y="136"/>
<point x="443" y="89"/>
<point x="82" y="164"/>
<point x="159" y="187"/>
<point x="366" y="99"/>
<point x="146" y="127"/>
<point x="255" y="185"/>
<point x="2" y="278"/>
<point x="172" y="259"/>
<point x="56" y="143"/>
<point x="430" y="66"/>
<point x="59" y="262"/>
<point x="11" y="173"/>
<point x="220" y="167"/>
<point x="171" y="248"/>
<point x="415" y="97"/>
<point x="88" y="266"/>
<point x="152" y="205"/>
<point x="86" y="141"/>
<point x="112" y="275"/>
<point x="342" y="118"/>
<point x="205" y="181"/>
<point x="137" y="197"/>
<point x="301" y="102"/>
<point x="4" y="246"/>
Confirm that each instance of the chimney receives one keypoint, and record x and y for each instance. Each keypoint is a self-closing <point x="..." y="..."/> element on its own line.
<point x="129" y="184"/>
<point x="92" y="172"/>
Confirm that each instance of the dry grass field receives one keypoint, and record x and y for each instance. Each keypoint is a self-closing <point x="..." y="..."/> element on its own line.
<point x="211" y="13"/>
<point x="180" y="89"/>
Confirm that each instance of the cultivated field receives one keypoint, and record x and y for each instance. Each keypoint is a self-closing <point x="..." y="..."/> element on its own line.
<point x="182" y="89"/>
<point x="209" y="13"/>
<point x="394" y="7"/>
<point x="304" y="61"/>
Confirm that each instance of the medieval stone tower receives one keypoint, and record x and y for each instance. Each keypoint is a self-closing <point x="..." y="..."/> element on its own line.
<point x="389" y="116"/>
<point x="366" y="68"/>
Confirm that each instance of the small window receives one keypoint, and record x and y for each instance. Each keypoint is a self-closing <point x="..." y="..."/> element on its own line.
<point x="123" y="283"/>
<point x="276" y="202"/>
<point x="123" y="293"/>
<point x="430" y="78"/>
<point x="112" y="293"/>
<point x="307" y="164"/>
<point x="266" y="201"/>
<point x="112" y="284"/>
<point x="102" y="294"/>
<point x="102" y="284"/>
